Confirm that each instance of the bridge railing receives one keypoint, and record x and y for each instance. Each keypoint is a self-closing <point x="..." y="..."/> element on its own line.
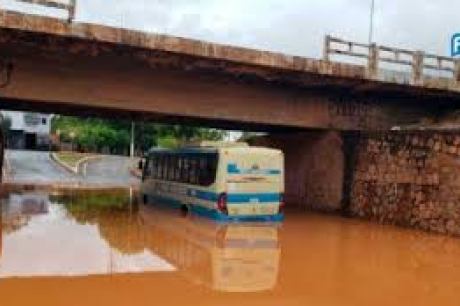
<point x="417" y="61"/>
<point x="67" y="5"/>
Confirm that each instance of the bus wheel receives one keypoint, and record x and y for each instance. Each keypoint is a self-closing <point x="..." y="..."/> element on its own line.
<point x="184" y="210"/>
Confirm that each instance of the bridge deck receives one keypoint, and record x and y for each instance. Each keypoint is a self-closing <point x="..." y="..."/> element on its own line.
<point x="45" y="34"/>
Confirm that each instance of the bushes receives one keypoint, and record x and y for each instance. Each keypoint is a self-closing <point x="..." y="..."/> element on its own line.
<point x="97" y="135"/>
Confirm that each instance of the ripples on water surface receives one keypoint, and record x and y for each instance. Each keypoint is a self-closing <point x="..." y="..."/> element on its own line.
<point x="100" y="247"/>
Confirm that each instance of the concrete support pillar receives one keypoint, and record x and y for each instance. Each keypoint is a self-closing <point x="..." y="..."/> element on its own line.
<point x="417" y="67"/>
<point x="457" y="72"/>
<point x="327" y="47"/>
<point x="132" y="144"/>
<point x="72" y="8"/>
<point x="350" y="145"/>
<point x="373" y="62"/>
<point x="6" y="68"/>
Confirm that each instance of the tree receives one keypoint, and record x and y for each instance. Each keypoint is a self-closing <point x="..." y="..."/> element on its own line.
<point x="96" y="135"/>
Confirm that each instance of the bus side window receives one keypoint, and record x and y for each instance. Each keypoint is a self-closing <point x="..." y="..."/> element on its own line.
<point x="172" y="167"/>
<point x="213" y="168"/>
<point x="146" y="173"/>
<point x="155" y="170"/>
<point x="185" y="175"/>
<point x="148" y="168"/>
<point x="178" y="170"/>
<point x="203" y="170"/>
<point x="164" y="174"/>
<point x="209" y="175"/>
<point x="194" y="170"/>
<point x="160" y="167"/>
<point x="153" y="166"/>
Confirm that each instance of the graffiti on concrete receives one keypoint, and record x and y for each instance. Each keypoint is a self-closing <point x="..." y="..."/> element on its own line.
<point x="349" y="107"/>
<point x="364" y="112"/>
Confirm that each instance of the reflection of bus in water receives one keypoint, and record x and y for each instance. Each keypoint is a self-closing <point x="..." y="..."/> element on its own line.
<point x="231" y="257"/>
<point x="218" y="180"/>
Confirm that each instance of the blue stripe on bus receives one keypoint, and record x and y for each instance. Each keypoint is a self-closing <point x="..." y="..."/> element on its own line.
<point x="233" y="198"/>
<point x="203" y="195"/>
<point x="253" y="197"/>
<point x="213" y="213"/>
<point x="233" y="169"/>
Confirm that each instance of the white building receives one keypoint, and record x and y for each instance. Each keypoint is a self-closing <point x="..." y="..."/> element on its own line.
<point x="28" y="130"/>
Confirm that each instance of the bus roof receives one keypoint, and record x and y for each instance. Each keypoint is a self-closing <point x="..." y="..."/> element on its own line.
<point x="216" y="144"/>
<point x="214" y="150"/>
<point x="184" y="150"/>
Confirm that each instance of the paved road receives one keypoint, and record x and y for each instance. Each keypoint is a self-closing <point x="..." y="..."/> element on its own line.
<point x="37" y="167"/>
<point x="109" y="170"/>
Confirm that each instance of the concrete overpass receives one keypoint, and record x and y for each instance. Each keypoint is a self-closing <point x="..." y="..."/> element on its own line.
<point x="48" y="64"/>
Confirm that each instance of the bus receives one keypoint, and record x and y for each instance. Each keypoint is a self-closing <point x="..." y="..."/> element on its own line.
<point x="226" y="182"/>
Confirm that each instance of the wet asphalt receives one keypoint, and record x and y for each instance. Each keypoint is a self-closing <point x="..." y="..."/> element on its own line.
<point x="32" y="167"/>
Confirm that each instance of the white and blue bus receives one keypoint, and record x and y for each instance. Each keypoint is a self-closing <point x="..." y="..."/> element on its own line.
<point x="227" y="182"/>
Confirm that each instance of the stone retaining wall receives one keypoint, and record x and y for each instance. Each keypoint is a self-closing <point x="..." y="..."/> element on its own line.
<point x="408" y="178"/>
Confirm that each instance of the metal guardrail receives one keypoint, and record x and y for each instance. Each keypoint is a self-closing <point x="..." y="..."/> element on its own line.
<point x="419" y="61"/>
<point x="68" y="5"/>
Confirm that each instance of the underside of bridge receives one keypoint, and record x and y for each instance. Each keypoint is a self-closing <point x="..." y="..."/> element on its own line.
<point x="118" y="85"/>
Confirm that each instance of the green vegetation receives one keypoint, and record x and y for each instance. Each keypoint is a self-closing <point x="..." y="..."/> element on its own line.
<point x="113" y="136"/>
<point x="87" y="205"/>
<point x="114" y="212"/>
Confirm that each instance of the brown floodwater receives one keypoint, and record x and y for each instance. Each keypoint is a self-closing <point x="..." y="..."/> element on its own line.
<point x="100" y="247"/>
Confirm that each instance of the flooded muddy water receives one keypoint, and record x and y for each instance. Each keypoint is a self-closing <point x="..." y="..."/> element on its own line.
<point x="100" y="247"/>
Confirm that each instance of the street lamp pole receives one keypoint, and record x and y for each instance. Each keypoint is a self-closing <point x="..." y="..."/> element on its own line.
<point x="371" y="26"/>
<point x="72" y="138"/>
<point x="131" y="151"/>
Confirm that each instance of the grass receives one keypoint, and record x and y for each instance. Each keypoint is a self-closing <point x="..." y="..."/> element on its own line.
<point x="72" y="158"/>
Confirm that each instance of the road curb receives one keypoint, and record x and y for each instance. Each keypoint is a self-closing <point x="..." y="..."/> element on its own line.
<point x="86" y="160"/>
<point x="76" y="169"/>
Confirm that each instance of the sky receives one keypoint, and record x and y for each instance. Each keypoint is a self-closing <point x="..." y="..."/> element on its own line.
<point x="294" y="27"/>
